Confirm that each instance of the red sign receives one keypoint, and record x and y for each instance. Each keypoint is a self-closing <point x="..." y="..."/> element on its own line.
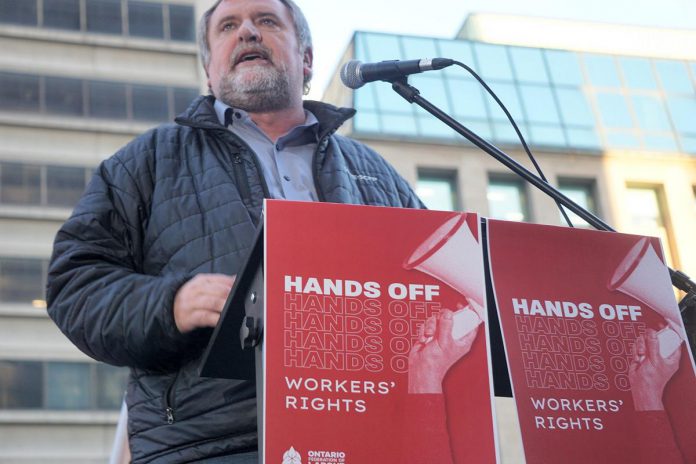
<point x="595" y="345"/>
<point x="375" y="345"/>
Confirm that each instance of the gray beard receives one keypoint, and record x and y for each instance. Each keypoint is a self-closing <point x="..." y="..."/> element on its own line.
<point x="267" y="90"/>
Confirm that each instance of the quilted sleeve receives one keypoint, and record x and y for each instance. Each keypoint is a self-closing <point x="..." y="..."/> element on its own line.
<point x="96" y="294"/>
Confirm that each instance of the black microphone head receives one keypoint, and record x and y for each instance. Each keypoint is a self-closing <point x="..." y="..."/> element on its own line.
<point x="350" y="75"/>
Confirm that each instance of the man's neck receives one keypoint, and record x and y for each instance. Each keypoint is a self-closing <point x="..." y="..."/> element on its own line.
<point x="278" y="123"/>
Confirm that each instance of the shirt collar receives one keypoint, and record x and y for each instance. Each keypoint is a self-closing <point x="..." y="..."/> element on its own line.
<point x="227" y="115"/>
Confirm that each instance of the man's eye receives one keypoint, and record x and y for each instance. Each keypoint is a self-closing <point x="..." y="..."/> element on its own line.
<point x="268" y="22"/>
<point x="227" y="27"/>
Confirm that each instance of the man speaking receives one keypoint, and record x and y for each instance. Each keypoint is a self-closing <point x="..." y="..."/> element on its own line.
<point x="142" y="268"/>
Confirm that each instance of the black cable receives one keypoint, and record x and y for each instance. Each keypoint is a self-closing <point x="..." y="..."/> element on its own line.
<point x="517" y="130"/>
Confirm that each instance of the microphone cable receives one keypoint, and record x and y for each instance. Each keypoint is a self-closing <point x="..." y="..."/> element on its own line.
<point x="517" y="131"/>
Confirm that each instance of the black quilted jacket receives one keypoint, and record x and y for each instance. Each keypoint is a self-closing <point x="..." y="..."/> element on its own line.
<point x="183" y="199"/>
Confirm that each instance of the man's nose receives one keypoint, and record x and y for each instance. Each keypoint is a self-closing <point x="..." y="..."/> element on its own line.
<point x="248" y="32"/>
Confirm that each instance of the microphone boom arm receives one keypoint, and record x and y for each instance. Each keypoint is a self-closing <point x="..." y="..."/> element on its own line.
<point x="412" y="95"/>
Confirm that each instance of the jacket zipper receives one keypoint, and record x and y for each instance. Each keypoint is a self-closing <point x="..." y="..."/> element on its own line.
<point x="322" y="144"/>
<point x="169" y="397"/>
<point x="240" y="177"/>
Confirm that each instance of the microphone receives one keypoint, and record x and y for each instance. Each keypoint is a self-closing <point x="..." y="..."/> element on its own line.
<point x="355" y="74"/>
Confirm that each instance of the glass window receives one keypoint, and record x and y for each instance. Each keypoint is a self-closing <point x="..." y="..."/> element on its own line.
<point x="21" y="280"/>
<point x="545" y="135"/>
<point x="507" y="93"/>
<point x="505" y="133"/>
<point x="458" y="50"/>
<point x="20" y="384"/>
<point x="104" y="16"/>
<point x="62" y="14"/>
<point x="467" y="99"/>
<point x="61" y="385"/>
<point x="150" y="103"/>
<point x="64" y="96"/>
<point x="660" y="142"/>
<point x="145" y="19"/>
<point x="613" y="110"/>
<point x="183" y="98"/>
<point x="584" y="139"/>
<point x="529" y="65"/>
<point x="481" y="128"/>
<point x="651" y="113"/>
<point x="688" y="144"/>
<point x="683" y="111"/>
<point x="431" y="127"/>
<point x="582" y="193"/>
<point x="20" y="184"/>
<point x="623" y="139"/>
<point x="674" y="77"/>
<point x="433" y="89"/>
<point x="539" y="104"/>
<point x="107" y="100"/>
<point x="417" y="48"/>
<point x="506" y="200"/>
<point x="388" y="100"/>
<point x="68" y="385"/>
<point x="437" y="189"/>
<point x="602" y="71"/>
<point x="644" y="206"/>
<point x="637" y="73"/>
<point x="365" y="98"/>
<point x="181" y="23"/>
<point x="493" y="62"/>
<point x="64" y="185"/>
<point x="382" y="47"/>
<point x="367" y="121"/>
<point x="111" y="383"/>
<point x="564" y="67"/>
<point x="575" y="110"/>
<point x="19" y="92"/>
<point x="400" y="124"/>
<point x="18" y="12"/>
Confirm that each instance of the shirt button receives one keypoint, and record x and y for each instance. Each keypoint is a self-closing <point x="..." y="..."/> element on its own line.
<point x="238" y="115"/>
<point x="287" y="178"/>
<point x="279" y="147"/>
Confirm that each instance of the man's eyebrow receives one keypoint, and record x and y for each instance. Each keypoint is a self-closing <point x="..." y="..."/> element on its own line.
<point x="261" y="14"/>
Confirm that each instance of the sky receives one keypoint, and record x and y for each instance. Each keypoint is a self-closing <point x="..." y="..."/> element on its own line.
<point x="334" y="21"/>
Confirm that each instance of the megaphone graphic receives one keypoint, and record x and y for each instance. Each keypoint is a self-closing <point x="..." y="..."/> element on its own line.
<point x="643" y="276"/>
<point x="453" y="255"/>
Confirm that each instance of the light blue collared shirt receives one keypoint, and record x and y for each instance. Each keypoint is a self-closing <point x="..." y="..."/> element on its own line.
<point x="287" y="163"/>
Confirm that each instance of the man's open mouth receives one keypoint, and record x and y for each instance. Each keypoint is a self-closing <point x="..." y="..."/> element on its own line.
<point x="251" y="56"/>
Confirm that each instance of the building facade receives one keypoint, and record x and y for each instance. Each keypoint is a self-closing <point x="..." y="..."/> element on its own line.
<point x="78" y="80"/>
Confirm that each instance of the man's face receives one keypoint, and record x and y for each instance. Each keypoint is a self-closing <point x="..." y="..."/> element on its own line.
<point x="255" y="59"/>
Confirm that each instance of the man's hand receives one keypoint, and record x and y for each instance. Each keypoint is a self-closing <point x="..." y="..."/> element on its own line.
<point x="199" y="302"/>
<point x="435" y="352"/>
<point x="649" y="372"/>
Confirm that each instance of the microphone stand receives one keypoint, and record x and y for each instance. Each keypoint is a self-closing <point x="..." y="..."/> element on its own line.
<point x="680" y="280"/>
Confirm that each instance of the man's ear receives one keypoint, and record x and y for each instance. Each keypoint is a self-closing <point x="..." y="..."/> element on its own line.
<point x="308" y="61"/>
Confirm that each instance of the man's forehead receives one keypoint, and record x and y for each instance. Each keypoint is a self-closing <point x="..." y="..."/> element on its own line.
<point x="228" y="8"/>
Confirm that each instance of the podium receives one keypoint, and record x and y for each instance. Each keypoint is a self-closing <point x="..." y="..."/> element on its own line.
<point x="336" y="304"/>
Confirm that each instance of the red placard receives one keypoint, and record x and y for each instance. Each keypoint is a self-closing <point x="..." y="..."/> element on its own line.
<point x="595" y="345"/>
<point x="374" y="338"/>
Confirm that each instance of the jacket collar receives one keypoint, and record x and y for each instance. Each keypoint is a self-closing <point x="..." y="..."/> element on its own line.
<point x="201" y="114"/>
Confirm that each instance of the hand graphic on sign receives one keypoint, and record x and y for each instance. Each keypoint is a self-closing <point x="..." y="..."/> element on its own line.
<point x="649" y="372"/>
<point x="435" y="352"/>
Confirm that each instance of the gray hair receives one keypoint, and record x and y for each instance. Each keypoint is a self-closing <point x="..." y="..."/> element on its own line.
<point x="304" y="36"/>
